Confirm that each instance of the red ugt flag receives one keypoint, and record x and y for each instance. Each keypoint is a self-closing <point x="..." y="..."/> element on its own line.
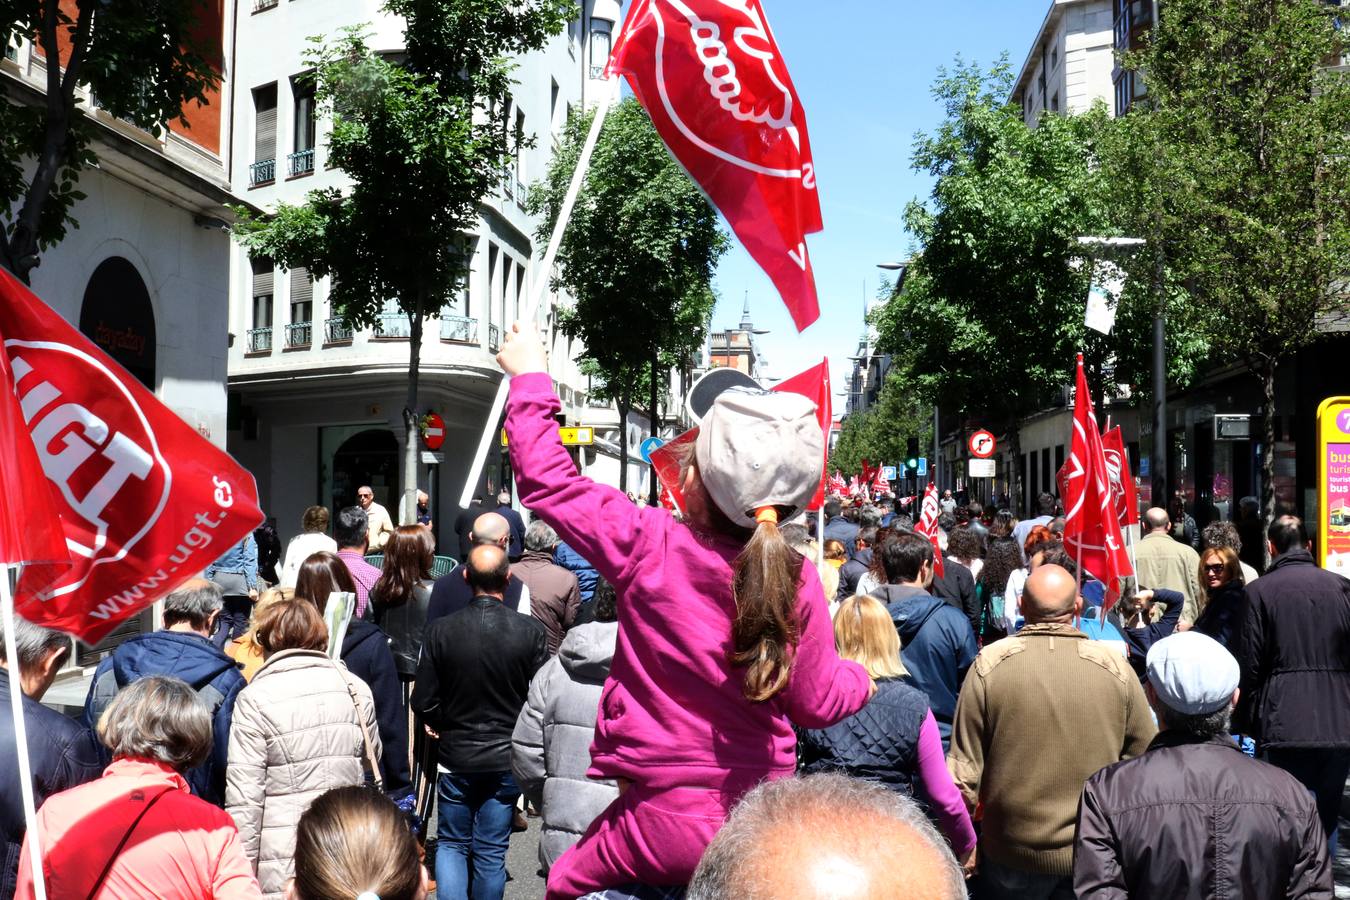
<point x="928" y="525"/>
<point x="1123" y="492"/>
<point x="1092" y="528"/>
<point x="30" y="527"/>
<point x="145" y="502"/>
<point x="710" y="76"/>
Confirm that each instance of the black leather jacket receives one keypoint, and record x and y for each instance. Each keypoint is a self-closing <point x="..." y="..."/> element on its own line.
<point x="1192" y="819"/>
<point x="406" y="625"/>
<point x="473" y="680"/>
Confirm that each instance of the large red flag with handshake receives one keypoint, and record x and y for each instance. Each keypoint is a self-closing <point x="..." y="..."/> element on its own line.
<point x="1092" y="524"/>
<point x="102" y="475"/>
<point x="710" y="76"/>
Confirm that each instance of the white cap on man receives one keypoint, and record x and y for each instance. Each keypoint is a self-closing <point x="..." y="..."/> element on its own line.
<point x="1192" y="673"/>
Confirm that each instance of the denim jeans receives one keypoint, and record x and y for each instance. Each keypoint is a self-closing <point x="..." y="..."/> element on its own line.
<point x="998" y="882"/>
<point x="1322" y="770"/>
<point x="475" y="812"/>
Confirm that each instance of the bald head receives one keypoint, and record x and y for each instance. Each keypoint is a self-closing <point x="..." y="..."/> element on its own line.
<point x="1050" y="596"/>
<point x="826" y="836"/>
<point x="487" y="570"/>
<point x="491" y="528"/>
<point x="1157" y="519"/>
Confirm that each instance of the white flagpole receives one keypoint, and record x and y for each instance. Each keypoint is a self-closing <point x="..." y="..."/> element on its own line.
<point x="820" y="536"/>
<point x="21" y="731"/>
<point x="607" y="99"/>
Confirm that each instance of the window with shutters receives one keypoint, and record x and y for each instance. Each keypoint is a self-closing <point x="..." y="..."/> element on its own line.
<point x="520" y="154"/>
<point x="301" y="161"/>
<point x="520" y="290"/>
<point x="300" y="330"/>
<point x="264" y="168"/>
<point x="260" y="335"/>
<point x="555" y="123"/>
<point x="600" y="43"/>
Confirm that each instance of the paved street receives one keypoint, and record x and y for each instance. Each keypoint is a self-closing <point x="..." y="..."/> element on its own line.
<point x="522" y="861"/>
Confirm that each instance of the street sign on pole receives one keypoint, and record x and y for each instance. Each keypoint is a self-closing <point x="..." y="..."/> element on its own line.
<point x="583" y="436"/>
<point x="648" y="447"/>
<point x="981" y="468"/>
<point x="922" y="469"/>
<point x="982" y="444"/>
<point x="888" y="472"/>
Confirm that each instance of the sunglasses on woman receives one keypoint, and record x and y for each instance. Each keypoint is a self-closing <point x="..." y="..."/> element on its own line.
<point x="1215" y="568"/>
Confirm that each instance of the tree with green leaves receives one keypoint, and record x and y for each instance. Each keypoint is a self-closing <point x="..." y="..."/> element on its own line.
<point x="638" y="256"/>
<point x="423" y="138"/>
<point x="1242" y="158"/>
<point x="144" y="60"/>
<point x="992" y="311"/>
<point x="881" y="434"/>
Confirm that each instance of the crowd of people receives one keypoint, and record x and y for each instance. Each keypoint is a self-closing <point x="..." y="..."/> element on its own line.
<point x="720" y="703"/>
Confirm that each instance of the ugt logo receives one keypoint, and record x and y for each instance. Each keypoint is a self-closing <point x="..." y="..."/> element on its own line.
<point x="96" y="447"/>
<point x="744" y="76"/>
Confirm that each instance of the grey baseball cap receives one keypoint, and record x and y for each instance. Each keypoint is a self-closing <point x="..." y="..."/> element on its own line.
<point x="1192" y="673"/>
<point x="757" y="449"/>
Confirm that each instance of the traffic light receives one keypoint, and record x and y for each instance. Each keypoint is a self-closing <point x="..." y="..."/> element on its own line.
<point x="912" y="451"/>
<point x="912" y="464"/>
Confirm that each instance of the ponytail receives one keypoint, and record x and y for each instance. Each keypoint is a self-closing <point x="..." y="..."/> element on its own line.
<point x="764" y="588"/>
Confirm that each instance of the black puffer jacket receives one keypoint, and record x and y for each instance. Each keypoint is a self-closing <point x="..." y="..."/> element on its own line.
<point x="1294" y="649"/>
<point x="1195" y="818"/>
<point x="878" y="743"/>
<point x="473" y="680"/>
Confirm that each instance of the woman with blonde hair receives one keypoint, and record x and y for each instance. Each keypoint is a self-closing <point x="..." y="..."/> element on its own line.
<point x="245" y="649"/>
<point x="1222" y="594"/>
<point x="894" y="739"/>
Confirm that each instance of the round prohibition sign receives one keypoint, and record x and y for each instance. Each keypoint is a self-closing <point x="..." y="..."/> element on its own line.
<point x="982" y="445"/>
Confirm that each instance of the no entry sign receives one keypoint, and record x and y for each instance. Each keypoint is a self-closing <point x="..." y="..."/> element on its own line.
<point x="982" y="445"/>
<point x="433" y="431"/>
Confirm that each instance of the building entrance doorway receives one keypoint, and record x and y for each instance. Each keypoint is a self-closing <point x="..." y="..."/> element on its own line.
<point x="360" y="455"/>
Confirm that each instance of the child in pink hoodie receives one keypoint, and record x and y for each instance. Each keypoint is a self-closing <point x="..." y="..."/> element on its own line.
<point x="725" y="638"/>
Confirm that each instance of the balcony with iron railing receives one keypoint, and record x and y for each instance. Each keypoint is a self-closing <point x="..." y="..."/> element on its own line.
<point x="508" y="182"/>
<point x="264" y="171"/>
<point x="260" y="340"/>
<point x="459" y="329"/>
<point x="393" y="325"/>
<point x="337" y="331"/>
<point x="299" y="334"/>
<point x="301" y="162"/>
<point x="494" y="338"/>
<point x="260" y="5"/>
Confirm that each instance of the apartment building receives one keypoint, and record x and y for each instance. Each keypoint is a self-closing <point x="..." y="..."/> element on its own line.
<point x="316" y="409"/>
<point x="1070" y="64"/>
<point x="145" y="275"/>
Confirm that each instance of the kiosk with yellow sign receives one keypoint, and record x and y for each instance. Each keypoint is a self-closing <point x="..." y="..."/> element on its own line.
<point x="1333" y="484"/>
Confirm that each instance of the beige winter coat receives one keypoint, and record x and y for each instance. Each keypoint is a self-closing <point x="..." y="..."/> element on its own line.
<point x="294" y="736"/>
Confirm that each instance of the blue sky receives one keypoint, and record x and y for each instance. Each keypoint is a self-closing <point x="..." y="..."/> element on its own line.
<point x="863" y="70"/>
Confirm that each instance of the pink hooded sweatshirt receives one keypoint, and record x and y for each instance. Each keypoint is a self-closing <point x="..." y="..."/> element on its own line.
<point x="672" y="713"/>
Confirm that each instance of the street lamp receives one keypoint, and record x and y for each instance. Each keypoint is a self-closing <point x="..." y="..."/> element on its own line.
<point x="1125" y="246"/>
<point x="903" y="269"/>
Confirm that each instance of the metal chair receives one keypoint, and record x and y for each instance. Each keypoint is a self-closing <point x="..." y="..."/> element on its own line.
<point x="443" y="566"/>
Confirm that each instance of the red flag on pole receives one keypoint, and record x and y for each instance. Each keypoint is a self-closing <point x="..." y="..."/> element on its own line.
<point x="928" y="525"/>
<point x="1091" y="528"/>
<point x="144" y="501"/>
<point x="1118" y="470"/>
<point x="880" y="484"/>
<point x="710" y="76"/>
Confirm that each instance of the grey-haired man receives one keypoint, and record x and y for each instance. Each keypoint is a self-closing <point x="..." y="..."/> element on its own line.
<point x="184" y="650"/>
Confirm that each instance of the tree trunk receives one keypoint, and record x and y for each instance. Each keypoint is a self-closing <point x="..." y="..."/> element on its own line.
<point x="1267" y="373"/>
<point x="653" y="491"/>
<point x="624" y="405"/>
<point x="407" y="508"/>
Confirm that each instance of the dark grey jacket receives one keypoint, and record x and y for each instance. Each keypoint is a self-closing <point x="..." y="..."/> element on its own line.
<point x="1198" y="820"/>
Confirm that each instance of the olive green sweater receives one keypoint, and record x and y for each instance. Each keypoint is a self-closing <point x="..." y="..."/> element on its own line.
<point x="1039" y="713"/>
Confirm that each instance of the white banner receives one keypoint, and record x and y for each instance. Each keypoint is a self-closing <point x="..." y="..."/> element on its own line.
<point x="1108" y="282"/>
